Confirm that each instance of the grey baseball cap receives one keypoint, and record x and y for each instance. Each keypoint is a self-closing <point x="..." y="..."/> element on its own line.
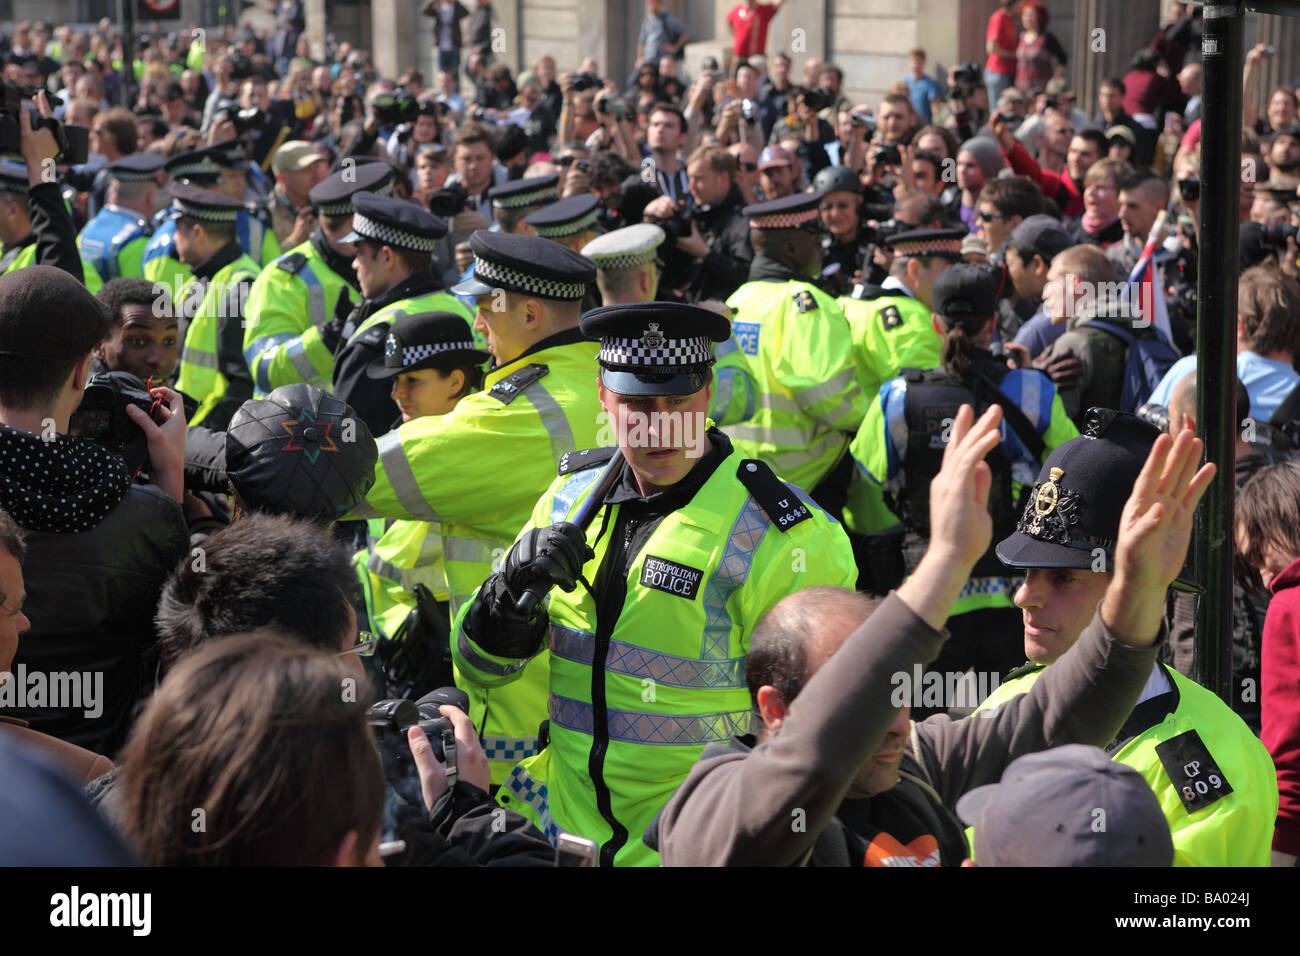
<point x="1068" y="806"/>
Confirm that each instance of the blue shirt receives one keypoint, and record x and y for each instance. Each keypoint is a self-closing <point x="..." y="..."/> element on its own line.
<point x="1267" y="382"/>
<point x="657" y="30"/>
<point x="1039" y="333"/>
<point x="923" y="91"/>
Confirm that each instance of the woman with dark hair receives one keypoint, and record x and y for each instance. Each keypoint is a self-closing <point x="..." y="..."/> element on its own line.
<point x="1268" y="540"/>
<point x="1039" y="55"/>
<point x="899" y="449"/>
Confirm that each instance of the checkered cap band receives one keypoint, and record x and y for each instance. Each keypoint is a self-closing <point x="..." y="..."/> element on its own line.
<point x="623" y="260"/>
<point x="12" y="184"/>
<point x="203" y="167"/>
<point x="784" y="220"/>
<point x="532" y="197"/>
<point x="203" y="212"/>
<point x="567" y="228"/>
<point x="418" y="353"/>
<point x="344" y="206"/>
<point x="130" y="176"/>
<point x="514" y="281"/>
<point x="927" y="247"/>
<point x="390" y="236"/>
<point x="671" y="354"/>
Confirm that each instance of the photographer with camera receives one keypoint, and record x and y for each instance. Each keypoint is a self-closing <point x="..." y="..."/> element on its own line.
<point x="968" y="100"/>
<point x="708" y="252"/>
<point x="578" y="118"/>
<point x="417" y="122"/>
<point x="34" y="223"/>
<point x="99" y="546"/>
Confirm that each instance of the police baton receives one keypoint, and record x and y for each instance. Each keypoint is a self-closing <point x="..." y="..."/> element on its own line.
<point x="586" y="512"/>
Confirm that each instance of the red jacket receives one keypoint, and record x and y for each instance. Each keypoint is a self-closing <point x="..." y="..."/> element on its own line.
<point x="1058" y="187"/>
<point x="1280" y="702"/>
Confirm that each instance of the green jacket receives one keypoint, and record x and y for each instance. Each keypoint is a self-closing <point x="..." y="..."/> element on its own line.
<point x="1233" y="829"/>
<point x="639" y="687"/>
<point x="807" y="397"/>
<point x="478" y="471"/>
<point x="292" y="298"/>
<point x="890" y="333"/>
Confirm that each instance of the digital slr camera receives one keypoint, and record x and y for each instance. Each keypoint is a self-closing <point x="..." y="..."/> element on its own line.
<point x="101" y="417"/>
<point x="392" y="109"/>
<point x="818" y="99"/>
<point x="585" y="81"/>
<point x="244" y="121"/>
<point x="449" y="201"/>
<point x="73" y="141"/>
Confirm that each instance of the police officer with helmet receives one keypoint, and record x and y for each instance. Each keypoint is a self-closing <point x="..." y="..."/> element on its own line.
<point x="900" y="446"/>
<point x="683" y="547"/>
<point x="1213" y="777"/>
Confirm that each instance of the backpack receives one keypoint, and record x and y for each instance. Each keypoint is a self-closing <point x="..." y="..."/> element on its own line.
<point x="1146" y="361"/>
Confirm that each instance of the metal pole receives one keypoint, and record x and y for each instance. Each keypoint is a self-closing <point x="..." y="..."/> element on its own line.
<point x="128" y="46"/>
<point x="1216" y="334"/>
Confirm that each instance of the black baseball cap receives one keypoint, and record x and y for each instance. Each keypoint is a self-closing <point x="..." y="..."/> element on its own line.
<point x="966" y="291"/>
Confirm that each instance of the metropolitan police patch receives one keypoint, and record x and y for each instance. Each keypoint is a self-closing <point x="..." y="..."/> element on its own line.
<point x="805" y="301"/>
<point x="670" y="577"/>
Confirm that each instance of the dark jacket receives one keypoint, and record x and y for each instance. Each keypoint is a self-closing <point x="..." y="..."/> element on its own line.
<point x="433" y="9"/>
<point x="52" y="231"/>
<point x="480" y="29"/>
<point x="736" y="809"/>
<point x="92" y="593"/>
<point x="726" y="268"/>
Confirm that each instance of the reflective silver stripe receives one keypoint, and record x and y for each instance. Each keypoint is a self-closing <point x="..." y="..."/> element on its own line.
<point x="431" y="548"/>
<point x="480" y="663"/>
<point x="811" y="396"/>
<point x="553" y="420"/>
<point x="571" y="491"/>
<point x="638" y="662"/>
<point x="200" y="358"/>
<point x="296" y="352"/>
<point x="724" y="379"/>
<point x="477" y="550"/>
<point x="509" y="749"/>
<point x="315" y="296"/>
<point x="776" y="402"/>
<point x="264" y="344"/>
<point x="732" y="571"/>
<point x="837" y="413"/>
<point x="385" y="570"/>
<point x="786" y="437"/>
<point x="524" y="788"/>
<point x="793" y="459"/>
<point x="392" y="458"/>
<point x="636" y="727"/>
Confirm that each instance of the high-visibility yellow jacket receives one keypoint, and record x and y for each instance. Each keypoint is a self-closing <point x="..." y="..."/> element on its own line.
<point x="478" y="471"/>
<point x="890" y="333"/>
<point x="651" y="668"/>
<point x="1214" y="751"/>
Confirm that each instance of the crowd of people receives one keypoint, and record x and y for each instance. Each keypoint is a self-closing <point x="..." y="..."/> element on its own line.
<point x="514" y="449"/>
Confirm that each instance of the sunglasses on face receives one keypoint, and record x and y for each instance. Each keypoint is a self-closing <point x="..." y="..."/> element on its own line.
<point x="988" y="216"/>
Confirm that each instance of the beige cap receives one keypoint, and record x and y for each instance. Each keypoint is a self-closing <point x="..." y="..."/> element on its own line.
<point x="294" y="155"/>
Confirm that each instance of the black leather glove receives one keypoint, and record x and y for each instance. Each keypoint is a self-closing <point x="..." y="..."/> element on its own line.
<point x="547" y="557"/>
<point x="1063" y="368"/>
<point x="331" y="332"/>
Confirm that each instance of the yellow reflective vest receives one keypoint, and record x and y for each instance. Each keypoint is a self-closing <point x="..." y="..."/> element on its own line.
<point x="290" y="301"/>
<point x="27" y="256"/>
<point x="807" y="399"/>
<point x="1221" y="828"/>
<point x="478" y="471"/>
<point x="636" y="692"/>
<point x="890" y="333"/>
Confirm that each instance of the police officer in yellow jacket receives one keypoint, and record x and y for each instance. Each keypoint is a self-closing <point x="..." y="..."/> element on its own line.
<point x="36" y="221"/>
<point x="211" y="304"/>
<point x="479" y="469"/>
<point x="891" y="322"/>
<point x="114" y="240"/>
<point x="900" y="446"/>
<point x="797" y="343"/>
<point x="1214" y="779"/>
<point x="683" y="550"/>
<point x="394" y="243"/>
<point x="432" y="363"/>
<point x="627" y="271"/>
<point x="291" y="335"/>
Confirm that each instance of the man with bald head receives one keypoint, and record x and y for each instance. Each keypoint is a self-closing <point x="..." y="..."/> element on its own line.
<point x="838" y="775"/>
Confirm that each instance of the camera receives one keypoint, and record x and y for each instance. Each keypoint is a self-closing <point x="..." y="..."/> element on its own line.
<point x="613" y="107"/>
<point x="863" y="120"/>
<point x="749" y="111"/>
<point x="888" y="156"/>
<point x="1006" y="116"/>
<point x="1190" y="189"/>
<point x="583" y="82"/>
<point x="1276" y="234"/>
<point x="241" y="67"/>
<point x="73" y="141"/>
<point x="391" y="109"/>
<point x="968" y="74"/>
<point x="101" y="417"/>
<point x="449" y="201"/>
<point x="244" y="121"/>
<point x="818" y="99"/>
